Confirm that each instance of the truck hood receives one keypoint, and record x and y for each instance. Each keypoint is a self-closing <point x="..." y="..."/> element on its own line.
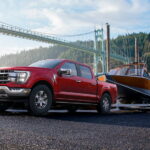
<point x="24" y="68"/>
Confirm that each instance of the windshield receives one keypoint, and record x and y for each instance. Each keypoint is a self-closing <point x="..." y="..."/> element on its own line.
<point x="131" y="70"/>
<point x="46" y="63"/>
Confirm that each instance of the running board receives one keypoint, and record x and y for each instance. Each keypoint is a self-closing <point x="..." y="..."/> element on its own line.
<point x="74" y="103"/>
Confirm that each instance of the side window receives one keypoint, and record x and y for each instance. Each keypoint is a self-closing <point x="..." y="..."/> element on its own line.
<point x="85" y="72"/>
<point x="71" y="66"/>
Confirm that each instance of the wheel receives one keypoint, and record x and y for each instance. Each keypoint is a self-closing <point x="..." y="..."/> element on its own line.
<point x="4" y="106"/>
<point x="40" y="100"/>
<point x="105" y="104"/>
<point x="72" y="109"/>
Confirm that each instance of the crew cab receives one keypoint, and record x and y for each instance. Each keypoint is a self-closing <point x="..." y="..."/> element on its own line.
<point x="52" y="83"/>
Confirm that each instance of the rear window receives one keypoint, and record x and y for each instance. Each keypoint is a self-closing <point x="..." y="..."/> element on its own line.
<point x="85" y="72"/>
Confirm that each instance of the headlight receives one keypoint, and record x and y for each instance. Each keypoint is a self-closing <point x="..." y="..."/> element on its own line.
<point x="22" y="76"/>
<point x="19" y="76"/>
<point x="12" y="77"/>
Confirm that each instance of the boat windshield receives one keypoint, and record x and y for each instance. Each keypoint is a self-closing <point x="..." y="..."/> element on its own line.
<point x="130" y="70"/>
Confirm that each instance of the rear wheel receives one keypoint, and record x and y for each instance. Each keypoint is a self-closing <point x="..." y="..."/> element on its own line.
<point x="40" y="100"/>
<point x="4" y="106"/>
<point x="105" y="104"/>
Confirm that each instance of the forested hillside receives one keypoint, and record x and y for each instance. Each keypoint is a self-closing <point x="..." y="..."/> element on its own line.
<point x="122" y="44"/>
<point x="125" y="44"/>
<point x="25" y="58"/>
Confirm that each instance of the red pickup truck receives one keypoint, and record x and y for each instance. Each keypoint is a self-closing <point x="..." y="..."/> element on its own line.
<point x="51" y="83"/>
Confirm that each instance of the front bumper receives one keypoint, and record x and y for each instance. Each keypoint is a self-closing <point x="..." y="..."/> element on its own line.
<point x="6" y="92"/>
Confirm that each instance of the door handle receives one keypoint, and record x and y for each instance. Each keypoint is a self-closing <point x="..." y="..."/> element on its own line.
<point x="78" y="81"/>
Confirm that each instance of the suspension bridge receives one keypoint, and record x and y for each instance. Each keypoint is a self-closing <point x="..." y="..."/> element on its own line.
<point x="98" y="50"/>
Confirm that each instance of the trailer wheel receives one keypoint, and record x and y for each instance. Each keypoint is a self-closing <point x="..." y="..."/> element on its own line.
<point x="40" y="100"/>
<point x="104" y="105"/>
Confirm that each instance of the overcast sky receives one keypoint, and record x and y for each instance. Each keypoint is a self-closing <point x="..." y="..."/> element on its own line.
<point x="71" y="17"/>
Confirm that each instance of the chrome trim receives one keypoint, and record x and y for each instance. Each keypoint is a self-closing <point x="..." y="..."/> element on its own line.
<point x="3" y="73"/>
<point x="4" y="80"/>
<point x="4" y="76"/>
<point x="6" y="91"/>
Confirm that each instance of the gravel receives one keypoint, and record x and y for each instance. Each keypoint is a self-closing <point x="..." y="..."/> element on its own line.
<point x="128" y="130"/>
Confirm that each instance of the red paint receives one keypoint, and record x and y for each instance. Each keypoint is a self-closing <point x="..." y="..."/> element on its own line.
<point x="66" y="88"/>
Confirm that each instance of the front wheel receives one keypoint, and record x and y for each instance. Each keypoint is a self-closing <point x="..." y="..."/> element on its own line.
<point x="104" y="105"/>
<point x="40" y="100"/>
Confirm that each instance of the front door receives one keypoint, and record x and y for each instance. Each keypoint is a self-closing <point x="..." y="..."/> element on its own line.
<point x="68" y="87"/>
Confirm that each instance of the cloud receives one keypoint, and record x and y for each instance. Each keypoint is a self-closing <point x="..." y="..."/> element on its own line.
<point x="75" y="16"/>
<point x="67" y="17"/>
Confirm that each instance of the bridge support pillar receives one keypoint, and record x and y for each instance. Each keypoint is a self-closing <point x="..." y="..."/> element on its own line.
<point x="100" y="55"/>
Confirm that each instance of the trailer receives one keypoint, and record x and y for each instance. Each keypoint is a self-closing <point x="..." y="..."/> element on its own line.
<point x="133" y="82"/>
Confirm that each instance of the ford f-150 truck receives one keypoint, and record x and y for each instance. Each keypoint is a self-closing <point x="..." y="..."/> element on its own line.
<point x="50" y="83"/>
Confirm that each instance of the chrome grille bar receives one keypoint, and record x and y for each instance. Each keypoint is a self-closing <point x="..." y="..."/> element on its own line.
<point x="4" y="74"/>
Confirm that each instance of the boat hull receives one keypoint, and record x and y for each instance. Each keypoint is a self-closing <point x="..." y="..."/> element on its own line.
<point x="131" y="89"/>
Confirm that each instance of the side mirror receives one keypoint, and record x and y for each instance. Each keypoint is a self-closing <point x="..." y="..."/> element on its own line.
<point x="64" y="72"/>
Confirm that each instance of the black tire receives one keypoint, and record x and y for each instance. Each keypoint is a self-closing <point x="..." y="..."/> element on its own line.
<point x="104" y="105"/>
<point x="40" y="95"/>
<point x="4" y="106"/>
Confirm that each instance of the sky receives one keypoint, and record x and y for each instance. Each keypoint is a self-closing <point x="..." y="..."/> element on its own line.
<point x="71" y="17"/>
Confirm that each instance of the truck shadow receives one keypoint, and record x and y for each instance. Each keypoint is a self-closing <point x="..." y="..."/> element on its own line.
<point x="119" y="118"/>
<point x="129" y="119"/>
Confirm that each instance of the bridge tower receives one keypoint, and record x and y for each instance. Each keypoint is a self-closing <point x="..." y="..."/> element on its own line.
<point x="100" y="55"/>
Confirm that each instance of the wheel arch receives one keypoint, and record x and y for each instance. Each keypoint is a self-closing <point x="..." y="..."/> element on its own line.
<point x="45" y="83"/>
<point x="106" y="92"/>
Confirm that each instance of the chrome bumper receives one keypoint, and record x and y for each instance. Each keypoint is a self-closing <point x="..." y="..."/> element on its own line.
<point x="15" y="92"/>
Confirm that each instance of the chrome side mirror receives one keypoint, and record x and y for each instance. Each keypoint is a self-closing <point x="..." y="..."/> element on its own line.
<point x="64" y="72"/>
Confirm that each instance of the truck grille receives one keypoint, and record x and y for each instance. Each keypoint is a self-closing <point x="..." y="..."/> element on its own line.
<point x="4" y="76"/>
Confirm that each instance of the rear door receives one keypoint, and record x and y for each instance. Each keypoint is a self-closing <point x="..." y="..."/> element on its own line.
<point x="87" y="84"/>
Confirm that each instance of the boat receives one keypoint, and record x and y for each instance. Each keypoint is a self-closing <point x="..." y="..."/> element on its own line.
<point x="133" y="82"/>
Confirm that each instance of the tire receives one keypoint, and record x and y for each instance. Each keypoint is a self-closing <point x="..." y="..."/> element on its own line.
<point x="40" y="100"/>
<point x="104" y="105"/>
<point x="4" y="106"/>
